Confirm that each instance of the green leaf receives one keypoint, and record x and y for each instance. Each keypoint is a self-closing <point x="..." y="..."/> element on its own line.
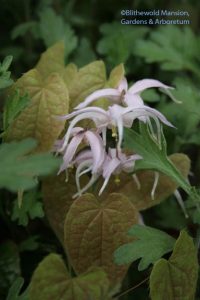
<point x="186" y="115"/>
<point x="31" y="208"/>
<point x="4" y="66"/>
<point x="5" y="80"/>
<point x="174" y="48"/>
<point x="23" y="28"/>
<point x="117" y="42"/>
<point x="52" y="281"/>
<point x="19" y="170"/>
<point x="14" y="290"/>
<point x="29" y="244"/>
<point x="48" y="99"/>
<point x="149" y="244"/>
<point x="84" y="53"/>
<point x="9" y="266"/>
<point x="94" y="228"/>
<point x="13" y="106"/>
<point x="154" y="155"/>
<point x="53" y="29"/>
<point x="177" y="277"/>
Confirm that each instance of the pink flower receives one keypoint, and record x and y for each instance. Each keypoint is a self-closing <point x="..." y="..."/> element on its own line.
<point x="115" y="163"/>
<point x="92" y="139"/>
<point x="123" y="95"/>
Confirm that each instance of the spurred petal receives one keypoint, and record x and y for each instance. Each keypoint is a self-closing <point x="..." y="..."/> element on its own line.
<point x="133" y="100"/>
<point x="109" y="168"/>
<point x="123" y="85"/>
<point x="146" y="111"/>
<point x="87" y="115"/>
<point x="71" y="150"/>
<point x="82" y="156"/>
<point x="144" y="84"/>
<point x="90" y="109"/>
<point x="97" y="149"/>
<point x="111" y="94"/>
<point x="84" y="165"/>
<point x="88" y="185"/>
<point x="128" y="165"/>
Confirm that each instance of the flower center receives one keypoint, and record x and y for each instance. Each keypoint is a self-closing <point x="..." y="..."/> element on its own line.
<point x="114" y="133"/>
<point x="117" y="179"/>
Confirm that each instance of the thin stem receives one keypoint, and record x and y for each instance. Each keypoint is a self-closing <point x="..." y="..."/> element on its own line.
<point x="132" y="288"/>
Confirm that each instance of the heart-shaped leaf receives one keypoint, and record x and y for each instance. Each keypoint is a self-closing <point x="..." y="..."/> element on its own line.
<point x="177" y="277"/>
<point x="48" y="99"/>
<point x="51" y="280"/>
<point x="57" y="198"/>
<point x="141" y="197"/>
<point x="94" y="229"/>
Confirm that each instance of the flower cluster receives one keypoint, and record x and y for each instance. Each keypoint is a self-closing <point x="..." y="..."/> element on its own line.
<point x="126" y="105"/>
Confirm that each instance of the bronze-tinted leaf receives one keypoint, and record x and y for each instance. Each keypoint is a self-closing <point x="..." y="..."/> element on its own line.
<point x="52" y="60"/>
<point x="176" y="278"/>
<point x="57" y="198"/>
<point x="116" y="75"/>
<point x="69" y="73"/>
<point x="141" y="198"/>
<point x="88" y="79"/>
<point x="48" y="99"/>
<point x="51" y="281"/>
<point x="94" y="229"/>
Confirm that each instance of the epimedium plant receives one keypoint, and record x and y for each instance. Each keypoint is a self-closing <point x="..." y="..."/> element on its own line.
<point x="114" y="165"/>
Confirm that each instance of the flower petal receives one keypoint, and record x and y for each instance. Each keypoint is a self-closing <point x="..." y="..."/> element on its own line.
<point x="87" y="186"/>
<point x="144" y="84"/>
<point x="95" y="117"/>
<point x="90" y="109"/>
<point x="70" y="151"/>
<point x="111" y="94"/>
<point x="109" y="168"/>
<point x="97" y="148"/>
<point x="123" y="85"/>
<point x="129" y="164"/>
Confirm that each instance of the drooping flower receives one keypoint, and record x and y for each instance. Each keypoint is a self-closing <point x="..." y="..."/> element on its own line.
<point x="123" y="95"/>
<point x="98" y="115"/>
<point x="115" y="163"/>
<point x="91" y="138"/>
<point x="115" y="117"/>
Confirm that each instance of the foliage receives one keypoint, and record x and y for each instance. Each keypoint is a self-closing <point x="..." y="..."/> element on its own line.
<point x="19" y="171"/>
<point x="14" y="290"/>
<point x="85" y="48"/>
<point x="154" y="155"/>
<point x="149" y="244"/>
<point x="13" y="106"/>
<point x="175" y="48"/>
<point x="176" y="278"/>
<point x="93" y="230"/>
<point x="5" y="80"/>
<point x="30" y="207"/>
<point x="52" y="29"/>
<point x="51" y="279"/>
<point x="118" y="42"/>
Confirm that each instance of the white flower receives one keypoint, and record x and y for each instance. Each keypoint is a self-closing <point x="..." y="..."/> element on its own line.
<point x="89" y="137"/>
<point x="115" y="163"/>
<point x="123" y="95"/>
